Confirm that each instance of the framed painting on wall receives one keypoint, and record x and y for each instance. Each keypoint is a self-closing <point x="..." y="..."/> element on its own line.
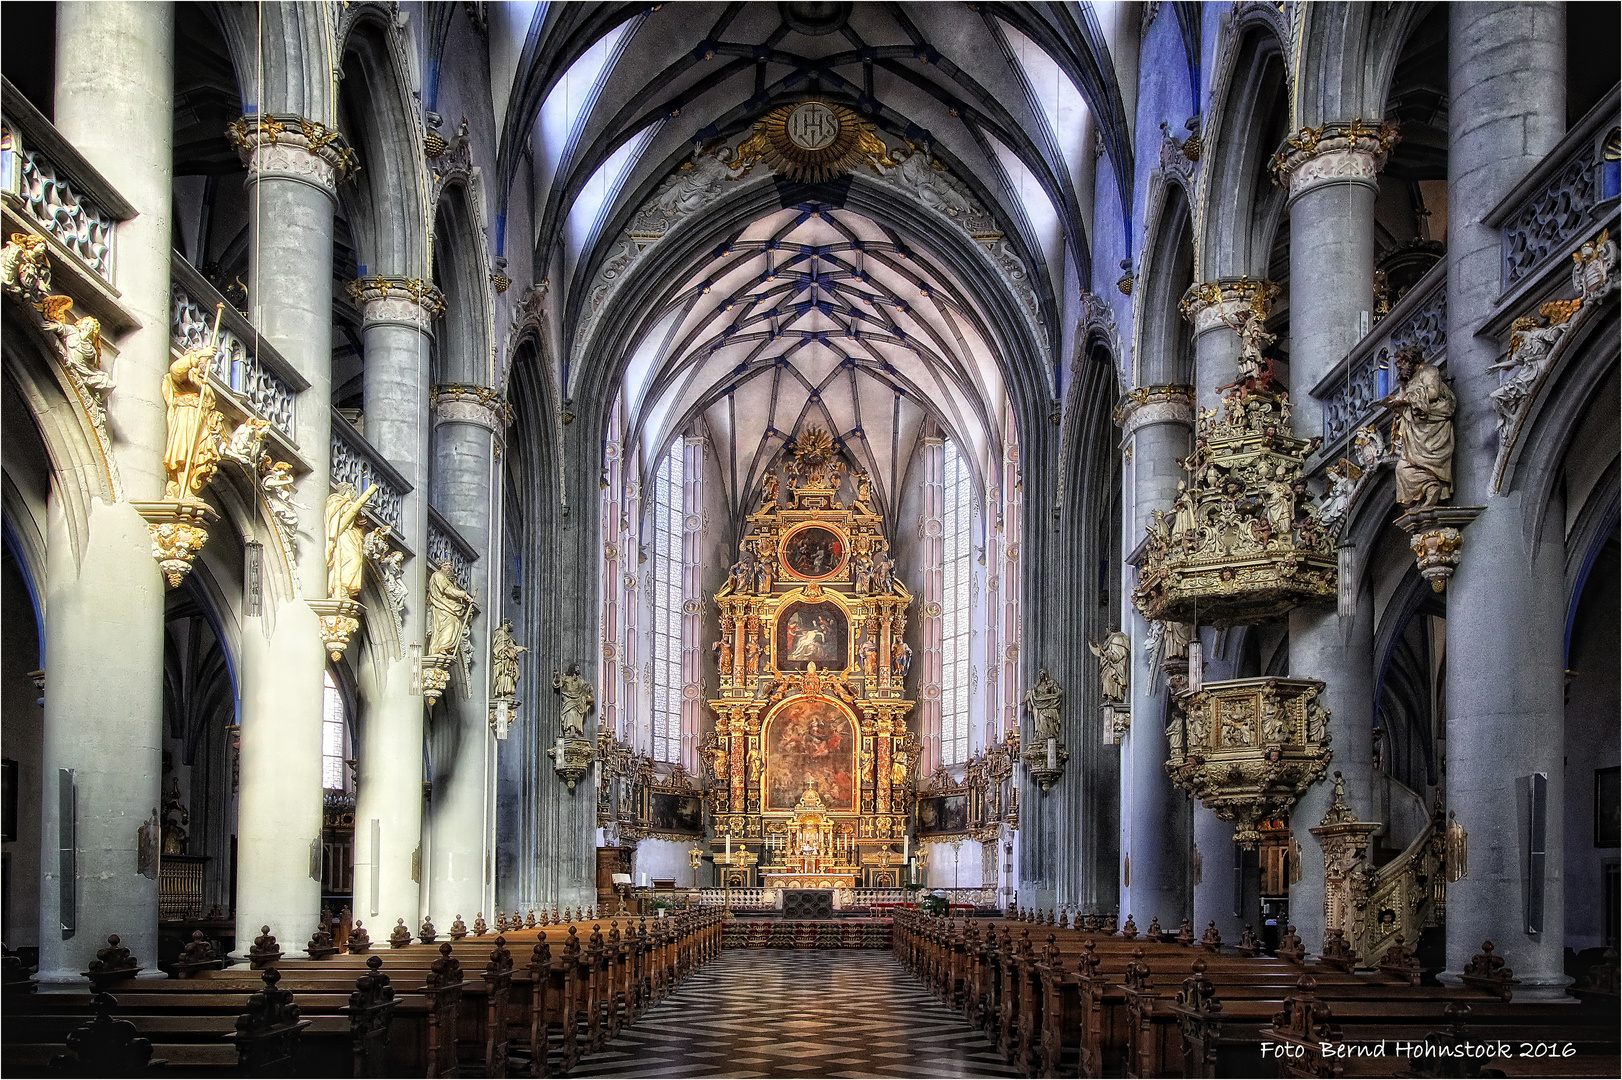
<point x="942" y="814"/>
<point x="675" y="813"/>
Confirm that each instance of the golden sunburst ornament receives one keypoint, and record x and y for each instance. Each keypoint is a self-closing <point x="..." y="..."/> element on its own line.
<point x="812" y="141"/>
<point x="814" y="446"/>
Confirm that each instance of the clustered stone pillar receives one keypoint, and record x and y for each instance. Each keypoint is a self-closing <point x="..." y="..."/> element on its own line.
<point x="1155" y="823"/>
<point x="468" y="421"/>
<point x="103" y="723"/>
<point x="1332" y="188"/>
<point x="398" y="318"/>
<point x="293" y="188"/>
<point x="1505" y="617"/>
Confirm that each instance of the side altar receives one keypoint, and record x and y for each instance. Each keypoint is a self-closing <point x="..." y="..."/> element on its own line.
<point x="811" y="761"/>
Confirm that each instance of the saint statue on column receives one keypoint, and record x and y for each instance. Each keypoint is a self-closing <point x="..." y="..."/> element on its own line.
<point x="346" y="542"/>
<point x="577" y="699"/>
<point x="450" y="609"/>
<point x="1424" y="406"/>
<point x="504" y="649"/>
<point x="191" y="449"/>
<point x="1043" y="701"/>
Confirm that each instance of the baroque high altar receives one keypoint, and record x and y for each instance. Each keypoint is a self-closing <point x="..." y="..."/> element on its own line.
<point x="811" y="757"/>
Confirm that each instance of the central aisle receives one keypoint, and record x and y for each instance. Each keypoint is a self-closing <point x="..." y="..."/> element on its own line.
<point x="799" y="1012"/>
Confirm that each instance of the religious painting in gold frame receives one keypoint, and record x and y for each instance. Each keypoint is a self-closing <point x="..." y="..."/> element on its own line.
<point x="811" y="632"/>
<point x="811" y="739"/>
<point x="814" y="551"/>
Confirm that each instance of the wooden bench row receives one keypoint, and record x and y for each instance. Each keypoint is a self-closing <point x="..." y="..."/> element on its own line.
<point x="537" y="1018"/>
<point x="1129" y="1004"/>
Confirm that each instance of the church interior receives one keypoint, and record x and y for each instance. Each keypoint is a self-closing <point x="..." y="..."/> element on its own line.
<point x="811" y="538"/>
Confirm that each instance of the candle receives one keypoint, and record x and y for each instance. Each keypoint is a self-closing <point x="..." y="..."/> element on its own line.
<point x="906" y="846"/>
<point x="729" y="845"/>
<point x="644" y="879"/>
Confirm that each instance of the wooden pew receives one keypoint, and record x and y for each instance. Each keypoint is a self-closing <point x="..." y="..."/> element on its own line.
<point x="565" y="999"/>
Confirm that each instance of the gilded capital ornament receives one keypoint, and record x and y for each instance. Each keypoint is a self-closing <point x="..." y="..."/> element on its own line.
<point x="1337" y="152"/>
<point x="471" y="404"/>
<point x="1158" y="403"/>
<point x="294" y="148"/>
<point x="409" y="301"/>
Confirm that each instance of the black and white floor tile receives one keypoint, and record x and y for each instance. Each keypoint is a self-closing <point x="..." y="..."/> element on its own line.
<point x="799" y="1013"/>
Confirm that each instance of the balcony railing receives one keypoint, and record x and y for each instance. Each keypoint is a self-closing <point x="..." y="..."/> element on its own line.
<point x="263" y="383"/>
<point x="55" y="186"/>
<point x="444" y="542"/>
<point x="1350" y="391"/>
<point x="1558" y="200"/>
<point x="357" y="463"/>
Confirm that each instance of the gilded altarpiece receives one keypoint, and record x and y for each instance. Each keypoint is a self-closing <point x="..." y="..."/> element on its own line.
<point x="811" y="762"/>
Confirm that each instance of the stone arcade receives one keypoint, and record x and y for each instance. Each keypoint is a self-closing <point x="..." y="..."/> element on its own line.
<point x="1095" y="524"/>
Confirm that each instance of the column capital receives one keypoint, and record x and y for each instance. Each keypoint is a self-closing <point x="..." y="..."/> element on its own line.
<point x="1338" y="152"/>
<point x="1160" y="403"/>
<point x="293" y="148"/>
<point x="1219" y="303"/>
<point x="481" y="405"/>
<point x="401" y="301"/>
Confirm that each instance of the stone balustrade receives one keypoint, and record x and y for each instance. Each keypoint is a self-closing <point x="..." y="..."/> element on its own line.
<point x="357" y="463"/>
<point x="1349" y="393"/>
<point x="262" y="383"/>
<point x="1558" y="202"/>
<point x="52" y="184"/>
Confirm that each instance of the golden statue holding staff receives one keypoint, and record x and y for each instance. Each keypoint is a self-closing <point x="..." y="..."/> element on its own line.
<point x="191" y="452"/>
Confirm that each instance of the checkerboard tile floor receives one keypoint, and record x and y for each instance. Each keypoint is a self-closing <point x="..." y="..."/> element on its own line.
<point x="799" y="1013"/>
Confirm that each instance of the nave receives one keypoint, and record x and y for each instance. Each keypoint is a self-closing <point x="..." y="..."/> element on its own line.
<point x="800" y="1012"/>
<point x="1140" y="473"/>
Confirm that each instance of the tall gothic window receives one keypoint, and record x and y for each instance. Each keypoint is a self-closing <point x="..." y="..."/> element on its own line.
<point x="332" y="735"/>
<point x="956" y="604"/>
<point x="667" y="606"/>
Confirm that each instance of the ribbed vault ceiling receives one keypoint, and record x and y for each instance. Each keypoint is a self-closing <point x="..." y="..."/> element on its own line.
<point x="814" y="315"/>
<point x="994" y="91"/>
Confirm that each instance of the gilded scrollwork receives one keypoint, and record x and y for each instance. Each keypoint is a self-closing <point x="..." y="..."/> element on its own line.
<point x="1248" y="748"/>
<point x="1242" y="541"/>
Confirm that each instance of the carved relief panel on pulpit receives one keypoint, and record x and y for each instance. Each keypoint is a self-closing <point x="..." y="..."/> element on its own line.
<point x="813" y="670"/>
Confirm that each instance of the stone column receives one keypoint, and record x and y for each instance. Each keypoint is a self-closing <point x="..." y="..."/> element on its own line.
<point x="468" y="421"/>
<point x="1155" y="823"/>
<point x="1505" y="618"/>
<point x="1332" y="191"/>
<point x="398" y="316"/>
<point x="292" y="182"/>
<point x="104" y="609"/>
